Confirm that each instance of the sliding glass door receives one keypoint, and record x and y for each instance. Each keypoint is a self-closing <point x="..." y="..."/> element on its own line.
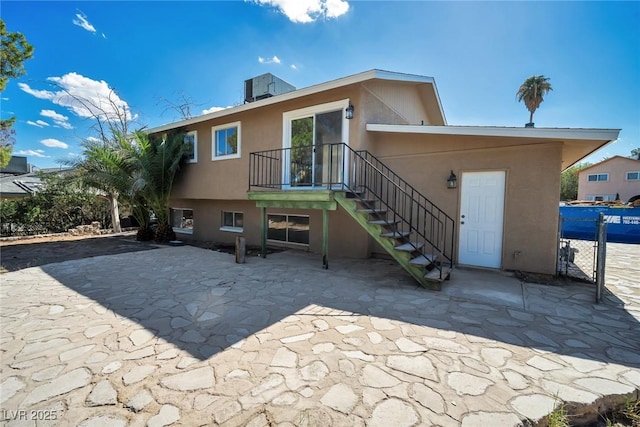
<point x="313" y="162"/>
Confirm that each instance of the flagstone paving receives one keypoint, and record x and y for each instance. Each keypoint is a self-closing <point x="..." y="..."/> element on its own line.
<point x="185" y="336"/>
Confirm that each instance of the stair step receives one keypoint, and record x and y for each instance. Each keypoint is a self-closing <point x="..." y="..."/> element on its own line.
<point x="423" y="260"/>
<point x="396" y="234"/>
<point x="409" y="247"/>
<point x="434" y="275"/>
<point x="353" y="194"/>
<point x="368" y="201"/>
<point x="384" y="222"/>
<point x="373" y="211"/>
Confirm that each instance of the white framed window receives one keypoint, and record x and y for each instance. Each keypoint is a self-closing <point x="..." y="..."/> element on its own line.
<point x="598" y="177"/>
<point x="601" y="197"/>
<point x="191" y="139"/>
<point x="181" y="220"/>
<point x="226" y="141"/>
<point x="633" y="176"/>
<point x="232" y="221"/>
<point x="288" y="228"/>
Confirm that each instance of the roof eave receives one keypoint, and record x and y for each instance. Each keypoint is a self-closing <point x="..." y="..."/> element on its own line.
<point x="517" y="132"/>
<point x="310" y="90"/>
<point x="607" y="160"/>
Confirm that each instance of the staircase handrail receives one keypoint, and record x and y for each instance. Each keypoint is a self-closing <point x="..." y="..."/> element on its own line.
<point x="349" y="158"/>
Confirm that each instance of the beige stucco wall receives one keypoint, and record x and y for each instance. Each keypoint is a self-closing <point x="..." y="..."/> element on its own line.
<point x="346" y="239"/>
<point x="398" y="103"/>
<point x="532" y="186"/>
<point x="425" y="161"/>
<point x="261" y="129"/>
<point x="617" y="169"/>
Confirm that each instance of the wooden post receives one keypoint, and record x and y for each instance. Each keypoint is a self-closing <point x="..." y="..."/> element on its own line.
<point x="264" y="230"/>
<point x="241" y="250"/>
<point x="325" y="238"/>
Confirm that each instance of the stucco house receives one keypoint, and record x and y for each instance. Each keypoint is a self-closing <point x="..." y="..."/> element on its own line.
<point x="615" y="178"/>
<point x="367" y="165"/>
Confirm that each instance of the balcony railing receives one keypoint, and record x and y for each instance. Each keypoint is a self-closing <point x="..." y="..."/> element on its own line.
<point x="338" y="167"/>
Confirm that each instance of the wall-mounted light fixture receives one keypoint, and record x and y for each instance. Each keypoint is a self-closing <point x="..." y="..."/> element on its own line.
<point x="452" y="182"/>
<point x="349" y="112"/>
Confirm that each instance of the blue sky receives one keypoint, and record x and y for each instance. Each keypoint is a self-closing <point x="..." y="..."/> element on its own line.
<point x="478" y="52"/>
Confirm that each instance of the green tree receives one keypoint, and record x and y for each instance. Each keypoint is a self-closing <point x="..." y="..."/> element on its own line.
<point x="156" y="163"/>
<point x="635" y="153"/>
<point x="569" y="182"/>
<point x="532" y="92"/>
<point x="132" y="167"/>
<point x="59" y="205"/>
<point x="14" y="50"/>
<point x="104" y="167"/>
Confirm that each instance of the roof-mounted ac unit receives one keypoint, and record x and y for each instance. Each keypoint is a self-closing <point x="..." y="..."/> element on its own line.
<point x="265" y="86"/>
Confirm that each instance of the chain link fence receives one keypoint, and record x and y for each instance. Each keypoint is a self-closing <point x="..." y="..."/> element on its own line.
<point x="582" y="250"/>
<point x="577" y="259"/>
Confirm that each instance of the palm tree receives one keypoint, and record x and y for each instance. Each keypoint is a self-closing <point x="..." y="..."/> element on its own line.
<point x="532" y="92"/>
<point x="130" y="152"/>
<point x="103" y="168"/>
<point x="157" y="161"/>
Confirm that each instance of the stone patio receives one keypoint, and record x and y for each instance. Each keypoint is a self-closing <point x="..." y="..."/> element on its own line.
<point x="182" y="335"/>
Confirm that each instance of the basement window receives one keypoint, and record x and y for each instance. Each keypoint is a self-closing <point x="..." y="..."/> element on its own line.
<point x="288" y="228"/>
<point x="232" y="221"/>
<point x="181" y="220"/>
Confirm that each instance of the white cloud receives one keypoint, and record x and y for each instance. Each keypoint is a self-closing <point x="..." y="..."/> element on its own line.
<point x="58" y="119"/>
<point x="64" y="125"/>
<point x="273" y="60"/>
<point x="294" y="67"/>
<point x="81" y="21"/>
<point x="305" y="11"/>
<point x="93" y="139"/>
<point x="53" y="115"/>
<point x="335" y="8"/>
<point x="38" y="123"/>
<point x="42" y="94"/>
<point x="83" y="96"/>
<point x="32" y="153"/>
<point x="214" y="109"/>
<point x="54" y="143"/>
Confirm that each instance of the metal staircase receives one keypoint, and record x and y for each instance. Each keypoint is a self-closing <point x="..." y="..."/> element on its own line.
<point x="408" y="226"/>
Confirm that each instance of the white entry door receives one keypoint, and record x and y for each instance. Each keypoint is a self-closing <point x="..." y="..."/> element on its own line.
<point x="481" y="218"/>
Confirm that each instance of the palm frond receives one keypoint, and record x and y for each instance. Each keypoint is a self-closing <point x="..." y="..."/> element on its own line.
<point x="532" y="92"/>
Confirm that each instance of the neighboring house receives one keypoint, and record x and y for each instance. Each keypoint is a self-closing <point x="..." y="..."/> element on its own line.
<point x="367" y="165"/>
<point x="24" y="185"/>
<point x="18" y="186"/>
<point x="16" y="179"/>
<point x="616" y="178"/>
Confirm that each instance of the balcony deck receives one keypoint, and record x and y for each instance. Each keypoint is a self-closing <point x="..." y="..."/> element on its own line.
<point x="294" y="199"/>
